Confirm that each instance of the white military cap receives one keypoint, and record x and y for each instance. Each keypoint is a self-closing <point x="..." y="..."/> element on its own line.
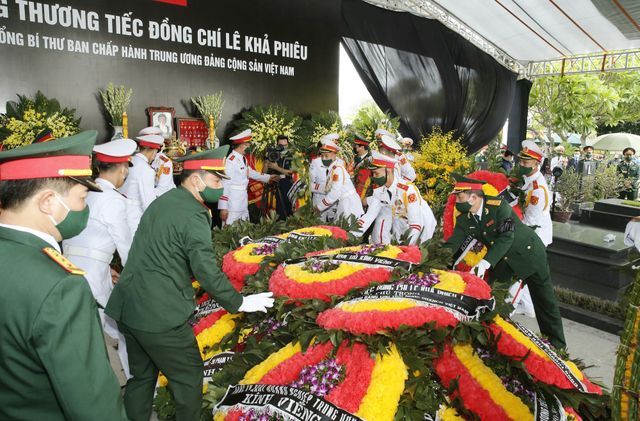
<point x="242" y="137"/>
<point x="389" y="143"/>
<point x="116" y="151"/>
<point x="150" y="130"/>
<point x="531" y="151"/>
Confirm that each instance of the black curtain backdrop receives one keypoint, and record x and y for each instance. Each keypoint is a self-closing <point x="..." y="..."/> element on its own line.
<point x="428" y="75"/>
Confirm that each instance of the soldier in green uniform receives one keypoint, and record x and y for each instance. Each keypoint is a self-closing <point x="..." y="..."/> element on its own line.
<point x="630" y="171"/>
<point x="154" y="299"/>
<point x="53" y="359"/>
<point x="514" y="250"/>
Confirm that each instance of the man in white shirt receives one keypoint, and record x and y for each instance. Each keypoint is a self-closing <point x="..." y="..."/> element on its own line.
<point x="106" y="232"/>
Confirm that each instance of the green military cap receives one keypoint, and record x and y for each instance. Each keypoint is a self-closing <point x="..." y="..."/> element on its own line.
<point x="68" y="157"/>
<point x="209" y="160"/>
<point x="359" y="139"/>
<point x="463" y="183"/>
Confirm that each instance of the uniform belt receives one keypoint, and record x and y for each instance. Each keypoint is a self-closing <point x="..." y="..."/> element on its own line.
<point x="238" y="187"/>
<point x="86" y="252"/>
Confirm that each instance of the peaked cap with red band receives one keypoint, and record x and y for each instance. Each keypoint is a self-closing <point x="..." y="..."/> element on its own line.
<point x="116" y="151"/>
<point x="68" y="157"/>
<point x="209" y="160"/>
<point x="152" y="141"/>
<point x="464" y="184"/>
<point x="150" y="130"/>
<point x="390" y="144"/>
<point x="328" y="143"/>
<point x="359" y="139"/>
<point x="379" y="160"/>
<point x="242" y="137"/>
<point x="531" y="151"/>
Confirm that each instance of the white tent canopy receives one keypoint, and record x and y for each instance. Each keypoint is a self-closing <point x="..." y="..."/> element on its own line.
<point x="526" y="31"/>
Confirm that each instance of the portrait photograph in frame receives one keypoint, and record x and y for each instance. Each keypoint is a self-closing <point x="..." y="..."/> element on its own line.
<point x="162" y="118"/>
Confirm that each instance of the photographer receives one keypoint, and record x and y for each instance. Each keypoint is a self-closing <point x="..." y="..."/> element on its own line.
<point x="278" y="161"/>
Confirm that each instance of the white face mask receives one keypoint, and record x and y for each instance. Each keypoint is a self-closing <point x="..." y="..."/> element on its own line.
<point x="576" y="155"/>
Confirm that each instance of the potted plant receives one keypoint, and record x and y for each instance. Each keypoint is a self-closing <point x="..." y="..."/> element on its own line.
<point x="567" y="191"/>
<point x="210" y="108"/>
<point x="115" y="100"/>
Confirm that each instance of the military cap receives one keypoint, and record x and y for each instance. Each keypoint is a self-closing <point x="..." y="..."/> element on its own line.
<point x="359" y="139"/>
<point x="208" y="160"/>
<point x="328" y="144"/>
<point x="383" y="132"/>
<point x="67" y="157"/>
<point x="150" y="130"/>
<point x="463" y="183"/>
<point x="152" y="141"/>
<point x="531" y="151"/>
<point x="242" y="137"/>
<point x="379" y="160"/>
<point x="389" y="143"/>
<point x="116" y="151"/>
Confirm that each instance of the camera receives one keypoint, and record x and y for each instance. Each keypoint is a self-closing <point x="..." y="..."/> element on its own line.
<point x="274" y="153"/>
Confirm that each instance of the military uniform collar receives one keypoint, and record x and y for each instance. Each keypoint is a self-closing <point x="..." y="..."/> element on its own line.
<point x="105" y="184"/>
<point x="144" y="158"/>
<point x="528" y="179"/>
<point x="480" y="210"/>
<point x="28" y="236"/>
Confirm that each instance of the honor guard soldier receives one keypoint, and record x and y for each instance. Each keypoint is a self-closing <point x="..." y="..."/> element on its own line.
<point x="339" y="187"/>
<point x="161" y="164"/>
<point x="140" y="185"/>
<point x="514" y="250"/>
<point x="630" y="172"/>
<point x="106" y="232"/>
<point x="53" y="358"/>
<point x="361" y="170"/>
<point x="537" y="205"/>
<point x="234" y="203"/>
<point x="154" y="299"/>
<point x="390" y="147"/>
<point x="407" y="149"/>
<point x="318" y="174"/>
<point x="395" y="208"/>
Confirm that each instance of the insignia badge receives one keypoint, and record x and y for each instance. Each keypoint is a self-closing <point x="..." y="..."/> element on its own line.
<point x="335" y="177"/>
<point x="232" y="157"/>
<point x="165" y="170"/>
<point x="534" y="200"/>
<point x="491" y="222"/>
<point x="412" y="198"/>
<point x="62" y="261"/>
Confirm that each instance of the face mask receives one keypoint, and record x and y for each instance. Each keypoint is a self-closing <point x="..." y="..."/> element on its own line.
<point x="520" y="170"/>
<point x="210" y="195"/>
<point x="379" y="181"/>
<point x="327" y="162"/>
<point x="463" y="207"/>
<point x="588" y="155"/>
<point x="357" y="159"/>
<point x="628" y="158"/>
<point x="72" y="224"/>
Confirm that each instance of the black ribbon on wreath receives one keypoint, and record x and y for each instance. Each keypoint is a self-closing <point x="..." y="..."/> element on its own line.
<point x="418" y="69"/>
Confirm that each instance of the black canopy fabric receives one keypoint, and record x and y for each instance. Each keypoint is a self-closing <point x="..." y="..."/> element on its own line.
<point x="426" y="74"/>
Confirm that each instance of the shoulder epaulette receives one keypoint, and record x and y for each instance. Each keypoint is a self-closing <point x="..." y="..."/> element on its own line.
<point x="403" y="186"/>
<point x="494" y="202"/>
<point x="62" y="261"/>
<point x="535" y="184"/>
<point x="232" y="157"/>
<point x="164" y="158"/>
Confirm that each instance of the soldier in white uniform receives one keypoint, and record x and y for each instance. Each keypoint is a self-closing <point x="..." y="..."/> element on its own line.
<point x="339" y="188"/>
<point x="234" y="203"/>
<point x="107" y="231"/>
<point x="390" y="147"/>
<point x="162" y="165"/>
<point x="140" y="185"/>
<point x="537" y="207"/>
<point x="395" y="208"/>
<point x="407" y="149"/>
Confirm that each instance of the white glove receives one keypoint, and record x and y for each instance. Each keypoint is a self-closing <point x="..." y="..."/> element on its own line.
<point x="480" y="268"/>
<point x="257" y="302"/>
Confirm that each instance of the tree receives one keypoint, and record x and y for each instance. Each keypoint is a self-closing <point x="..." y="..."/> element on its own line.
<point x="577" y="103"/>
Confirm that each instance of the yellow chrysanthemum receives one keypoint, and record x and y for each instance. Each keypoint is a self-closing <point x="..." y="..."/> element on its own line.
<point x="302" y="276"/>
